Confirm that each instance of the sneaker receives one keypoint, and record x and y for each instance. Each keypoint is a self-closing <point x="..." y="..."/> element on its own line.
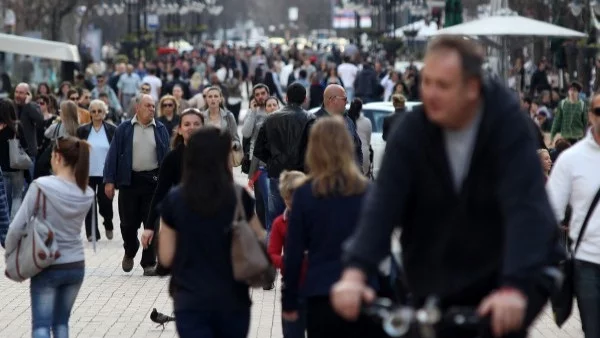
<point x="127" y="263"/>
<point x="269" y="287"/>
<point x="150" y="271"/>
<point x="109" y="234"/>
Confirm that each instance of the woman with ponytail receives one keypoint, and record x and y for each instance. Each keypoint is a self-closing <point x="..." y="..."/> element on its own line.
<point x="67" y="201"/>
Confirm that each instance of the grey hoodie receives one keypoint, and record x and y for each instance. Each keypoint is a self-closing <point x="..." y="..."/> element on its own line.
<point x="66" y="207"/>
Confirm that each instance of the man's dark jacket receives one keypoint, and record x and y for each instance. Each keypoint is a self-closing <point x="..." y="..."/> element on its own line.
<point x="281" y="142"/>
<point x="499" y="230"/>
<point x="353" y="133"/>
<point x="31" y="117"/>
<point x="117" y="166"/>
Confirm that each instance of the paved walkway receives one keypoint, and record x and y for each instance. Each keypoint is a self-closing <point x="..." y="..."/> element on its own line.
<point x="113" y="303"/>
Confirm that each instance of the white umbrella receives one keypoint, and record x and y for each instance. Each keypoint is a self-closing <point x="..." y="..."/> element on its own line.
<point x="509" y="25"/>
<point x="505" y="24"/>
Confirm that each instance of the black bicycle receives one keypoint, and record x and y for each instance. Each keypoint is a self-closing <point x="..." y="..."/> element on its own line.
<point x="398" y="320"/>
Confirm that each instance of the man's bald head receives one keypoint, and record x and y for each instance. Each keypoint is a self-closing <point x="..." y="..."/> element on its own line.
<point x="334" y="99"/>
<point x="21" y="93"/>
<point x="333" y="90"/>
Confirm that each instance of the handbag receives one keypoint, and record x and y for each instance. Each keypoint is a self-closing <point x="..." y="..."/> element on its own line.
<point x="18" y="158"/>
<point x="236" y="157"/>
<point x="37" y="248"/>
<point x="562" y="300"/>
<point x="249" y="259"/>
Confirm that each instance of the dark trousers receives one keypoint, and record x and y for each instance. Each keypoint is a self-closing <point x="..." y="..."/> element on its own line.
<point x="235" y="110"/>
<point x="587" y="290"/>
<point x="212" y="324"/>
<point x="104" y="206"/>
<point x="323" y="322"/>
<point x="134" y="205"/>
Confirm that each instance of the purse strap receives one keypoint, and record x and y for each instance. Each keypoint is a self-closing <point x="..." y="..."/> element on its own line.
<point x="586" y="221"/>
<point x="39" y="196"/>
<point x="240" y="213"/>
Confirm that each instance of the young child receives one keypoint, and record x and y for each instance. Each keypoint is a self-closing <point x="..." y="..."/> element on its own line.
<point x="289" y="181"/>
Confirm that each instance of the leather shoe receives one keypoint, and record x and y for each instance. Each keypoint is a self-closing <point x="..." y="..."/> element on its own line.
<point x="109" y="234"/>
<point x="127" y="263"/>
<point x="150" y="271"/>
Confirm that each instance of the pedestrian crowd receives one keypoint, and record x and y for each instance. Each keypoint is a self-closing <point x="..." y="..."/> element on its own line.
<point x="164" y="138"/>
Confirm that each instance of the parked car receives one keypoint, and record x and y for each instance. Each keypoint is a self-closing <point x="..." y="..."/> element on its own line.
<point x="376" y="111"/>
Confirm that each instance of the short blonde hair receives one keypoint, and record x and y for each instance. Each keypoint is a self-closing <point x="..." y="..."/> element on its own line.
<point x="289" y="181"/>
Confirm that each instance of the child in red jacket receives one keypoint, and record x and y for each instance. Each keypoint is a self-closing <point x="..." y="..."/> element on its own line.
<point x="288" y="182"/>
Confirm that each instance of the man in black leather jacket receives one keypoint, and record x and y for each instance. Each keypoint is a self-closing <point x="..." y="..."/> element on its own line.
<point x="281" y="144"/>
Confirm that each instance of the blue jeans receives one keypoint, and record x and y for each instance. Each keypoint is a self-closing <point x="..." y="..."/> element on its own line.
<point x="53" y="293"/>
<point x="13" y="183"/>
<point x="276" y="205"/>
<point x="263" y="182"/>
<point x="587" y="290"/>
<point x="297" y="328"/>
<point x="212" y="324"/>
<point x="349" y="94"/>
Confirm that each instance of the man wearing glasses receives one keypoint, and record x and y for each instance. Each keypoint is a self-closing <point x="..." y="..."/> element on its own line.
<point x="334" y="103"/>
<point x="83" y="115"/>
<point x="102" y="87"/>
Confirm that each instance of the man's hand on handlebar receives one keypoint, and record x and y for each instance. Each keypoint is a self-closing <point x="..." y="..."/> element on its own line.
<point x="349" y="293"/>
<point x="506" y="309"/>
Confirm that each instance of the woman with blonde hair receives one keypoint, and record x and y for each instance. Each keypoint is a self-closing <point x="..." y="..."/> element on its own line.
<point x="325" y="213"/>
<point x="68" y="123"/>
<point x="546" y="160"/>
<point x="167" y="112"/>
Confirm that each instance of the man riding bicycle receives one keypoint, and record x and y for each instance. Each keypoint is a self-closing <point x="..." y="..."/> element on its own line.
<point x="461" y="177"/>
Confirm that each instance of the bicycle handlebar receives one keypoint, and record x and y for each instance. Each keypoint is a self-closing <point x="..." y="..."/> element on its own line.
<point x="398" y="320"/>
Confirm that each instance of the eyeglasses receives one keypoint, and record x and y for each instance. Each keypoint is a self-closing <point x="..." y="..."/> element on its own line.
<point x="596" y="111"/>
<point x="343" y="98"/>
<point x="168" y="105"/>
<point x="41" y="103"/>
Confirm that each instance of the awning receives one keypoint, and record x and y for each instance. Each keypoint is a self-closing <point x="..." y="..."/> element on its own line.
<point x="38" y="47"/>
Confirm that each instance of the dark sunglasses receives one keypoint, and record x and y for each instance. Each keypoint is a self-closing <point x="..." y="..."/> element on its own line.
<point x="42" y="103"/>
<point x="168" y="105"/>
<point x="596" y="111"/>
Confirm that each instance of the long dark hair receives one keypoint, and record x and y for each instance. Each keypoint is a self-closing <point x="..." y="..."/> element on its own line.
<point x="355" y="109"/>
<point x="177" y="139"/>
<point x="207" y="180"/>
<point x="8" y="114"/>
<point x="76" y="154"/>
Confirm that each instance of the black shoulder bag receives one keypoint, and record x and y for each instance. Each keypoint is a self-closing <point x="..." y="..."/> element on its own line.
<point x="562" y="300"/>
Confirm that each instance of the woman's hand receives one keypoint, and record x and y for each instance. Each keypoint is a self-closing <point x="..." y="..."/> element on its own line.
<point x="290" y="316"/>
